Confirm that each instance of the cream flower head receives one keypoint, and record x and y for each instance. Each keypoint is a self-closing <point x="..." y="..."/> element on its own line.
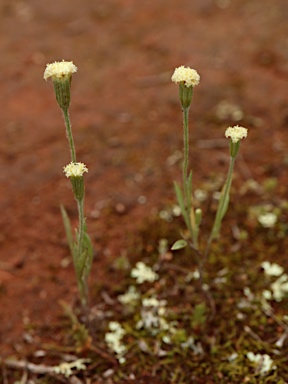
<point x="59" y="70"/>
<point x="236" y="133"/>
<point x="75" y="169"/>
<point x="189" y="76"/>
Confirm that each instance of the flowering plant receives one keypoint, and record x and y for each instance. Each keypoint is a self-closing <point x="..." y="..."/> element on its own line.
<point x="81" y="249"/>
<point x="187" y="79"/>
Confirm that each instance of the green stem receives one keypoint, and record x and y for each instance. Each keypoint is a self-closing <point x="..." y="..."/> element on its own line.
<point x="80" y="205"/>
<point x="82" y="279"/>
<point x="69" y="135"/>
<point x="187" y="191"/>
<point x="186" y="147"/>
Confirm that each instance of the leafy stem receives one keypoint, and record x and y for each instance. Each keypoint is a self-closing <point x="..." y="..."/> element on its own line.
<point x="187" y="182"/>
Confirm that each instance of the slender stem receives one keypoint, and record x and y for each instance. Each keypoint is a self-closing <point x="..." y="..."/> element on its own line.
<point x="82" y="278"/>
<point x="69" y="135"/>
<point x="80" y="205"/>
<point x="186" y="147"/>
<point x="186" y="187"/>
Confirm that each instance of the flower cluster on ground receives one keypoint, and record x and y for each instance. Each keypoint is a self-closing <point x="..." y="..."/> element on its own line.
<point x="114" y="341"/>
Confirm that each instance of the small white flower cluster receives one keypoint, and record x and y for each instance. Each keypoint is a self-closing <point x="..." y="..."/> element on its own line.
<point x="66" y="369"/>
<point x="130" y="297"/>
<point x="272" y="269"/>
<point x="154" y="320"/>
<point x="143" y="273"/>
<point x="59" y="69"/>
<point x="75" y="169"/>
<point x="236" y="133"/>
<point x="189" y="76"/>
<point x="153" y="316"/>
<point x="153" y="302"/>
<point x="279" y="288"/>
<point x="114" y="340"/>
<point x="267" y="220"/>
<point x="264" y="363"/>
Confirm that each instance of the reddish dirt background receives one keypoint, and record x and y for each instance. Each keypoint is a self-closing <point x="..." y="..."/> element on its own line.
<point x="127" y="124"/>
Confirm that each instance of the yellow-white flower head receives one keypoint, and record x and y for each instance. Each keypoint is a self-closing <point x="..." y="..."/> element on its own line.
<point x="236" y="133"/>
<point x="59" y="70"/>
<point x="75" y="169"/>
<point x="189" y="76"/>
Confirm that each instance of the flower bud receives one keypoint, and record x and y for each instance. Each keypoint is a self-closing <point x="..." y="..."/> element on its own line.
<point x="198" y="216"/>
<point x="62" y="92"/>
<point x="185" y="95"/>
<point x="78" y="187"/>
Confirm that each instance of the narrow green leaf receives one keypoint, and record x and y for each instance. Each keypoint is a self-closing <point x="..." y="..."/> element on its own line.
<point x="189" y="185"/>
<point x="87" y="245"/>
<point x="179" y="244"/>
<point x="83" y="262"/>
<point x="225" y="204"/>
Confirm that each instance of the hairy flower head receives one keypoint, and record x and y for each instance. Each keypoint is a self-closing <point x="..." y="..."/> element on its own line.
<point x="75" y="169"/>
<point x="60" y="70"/>
<point x="236" y="133"/>
<point x="189" y="76"/>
